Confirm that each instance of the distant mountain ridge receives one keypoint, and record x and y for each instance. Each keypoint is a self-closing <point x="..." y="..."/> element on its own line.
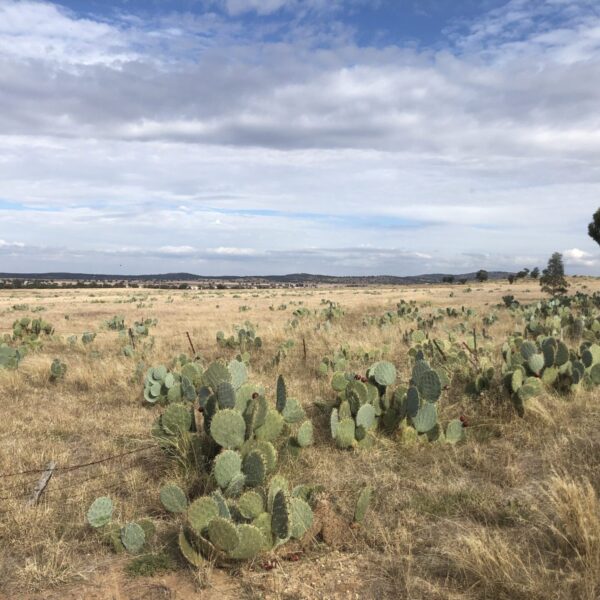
<point x="290" y="278"/>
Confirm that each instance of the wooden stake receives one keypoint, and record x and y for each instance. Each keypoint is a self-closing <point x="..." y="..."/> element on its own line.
<point x="42" y="483"/>
<point x="191" y="344"/>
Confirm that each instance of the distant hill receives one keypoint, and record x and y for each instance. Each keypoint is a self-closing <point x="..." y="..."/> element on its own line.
<point x="295" y="278"/>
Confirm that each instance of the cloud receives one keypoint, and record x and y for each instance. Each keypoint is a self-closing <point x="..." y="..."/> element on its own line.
<point x="285" y="137"/>
<point x="578" y="257"/>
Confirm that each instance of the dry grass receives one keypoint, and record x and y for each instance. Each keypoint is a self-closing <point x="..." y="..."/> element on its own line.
<point x="513" y="513"/>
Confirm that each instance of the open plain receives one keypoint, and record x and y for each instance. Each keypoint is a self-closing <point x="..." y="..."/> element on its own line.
<point x="512" y="512"/>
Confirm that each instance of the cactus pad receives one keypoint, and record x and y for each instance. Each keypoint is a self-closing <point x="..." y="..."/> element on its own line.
<point x="133" y="537"/>
<point x="339" y="381"/>
<point x="227" y="465"/>
<point x="426" y="419"/>
<point x="455" y="431"/>
<point x="223" y="534"/>
<point x="429" y="386"/>
<point x="215" y="374"/>
<point x="281" y="517"/>
<point x="366" y="416"/>
<point x="251" y="504"/>
<point x="345" y="433"/>
<point x="173" y="498"/>
<point x="271" y="428"/>
<point x="201" y="512"/>
<point x="293" y="411"/>
<point x="238" y="372"/>
<point x="362" y="504"/>
<point x="302" y="517"/>
<point x="188" y="551"/>
<point x="384" y="373"/>
<point x="254" y="468"/>
<point x="225" y="395"/>
<point x="176" y="419"/>
<point x="305" y="436"/>
<point x="228" y="428"/>
<point x="281" y="394"/>
<point x="252" y="542"/>
<point x="100" y="512"/>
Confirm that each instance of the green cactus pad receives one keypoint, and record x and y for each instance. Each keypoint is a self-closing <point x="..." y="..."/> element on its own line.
<point x="302" y="517"/>
<point x="345" y="433"/>
<point x="252" y="542"/>
<point x="228" y="428"/>
<point x="219" y="499"/>
<point x="421" y="367"/>
<point x="238" y="372"/>
<point x="455" y="431"/>
<point x="366" y="416"/>
<point x="528" y="349"/>
<point x="254" y="468"/>
<point x="362" y="504"/>
<point x="412" y="402"/>
<point x="384" y="373"/>
<point x="100" y="512"/>
<point x="429" y="386"/>
<point x="277" y="483"/>
<point x="223" y="534"/>
<point x="236" y="486"/>
<point x="334" y="422"/>
<point x="263" y="523"/>
<point x="176" y="419"/>
<point x="227" y="465"/>
<point x="225" y="395"/>
<point x="159" y="373"/>
<point x="251" y="504"/>
<point x="339" y="381"/>
<point x="359" y="390"/>
<point x="174" y="394"/>
<point x="305" y="437"/>
<point x="516" y="380"/>
<point x="271" y="428"/>
<point x="215" y="374"/>
<point x="281" y="517"/>
<point x="595" y="374"/>
<point x="550" y="376"/>
<point x="549" y="352"/>
<point x="536" y="363"/>
<point x="345" y="412"/>
<point x="133" y="537"/>
<point x="293" y="411"/>
<point x="281" y="394"/>
<point x="188" y="551"/>
<point x="426" y="419"/>
<point x="200" y="512"/>
<point x="173" y="498"/>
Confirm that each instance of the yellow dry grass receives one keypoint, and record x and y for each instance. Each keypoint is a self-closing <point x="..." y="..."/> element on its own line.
<point x="514" y="513"/>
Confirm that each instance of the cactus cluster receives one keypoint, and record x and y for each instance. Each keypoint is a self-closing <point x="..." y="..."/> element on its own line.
<point x="10" y="357"/>
<point x="57" y="370"/>
<point x="116" y="323"/>
<point x="169" y="387"/>
<point x="366" y="403"/>
<point x="532" y="366"/>
<point x="88" y="337"/>
<point x="30" y="330"/>
<point x="226" y="527"/>
<point x="132" y="537"/>
<point x="244" y="338"/>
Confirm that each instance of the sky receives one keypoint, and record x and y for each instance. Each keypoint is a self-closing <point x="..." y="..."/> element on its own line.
<point x="343" y="137"/>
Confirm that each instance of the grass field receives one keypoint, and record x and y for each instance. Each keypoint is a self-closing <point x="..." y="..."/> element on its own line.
<point x="511" y="513"/>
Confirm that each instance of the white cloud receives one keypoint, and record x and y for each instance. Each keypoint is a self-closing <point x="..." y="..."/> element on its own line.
<point x="578" y="257"/>
<point x="263" y="144"/>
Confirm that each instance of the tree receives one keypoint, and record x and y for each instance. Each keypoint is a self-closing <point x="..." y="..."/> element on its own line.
<point x="522" y="274"/>
<point x="511" y="279"/>
<point x="448" y="279"/>
<point x="553" y="276"/>
<point x="535" y="273"/>
<point x="594" y="227"/>
<point x="481" y="275"/>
